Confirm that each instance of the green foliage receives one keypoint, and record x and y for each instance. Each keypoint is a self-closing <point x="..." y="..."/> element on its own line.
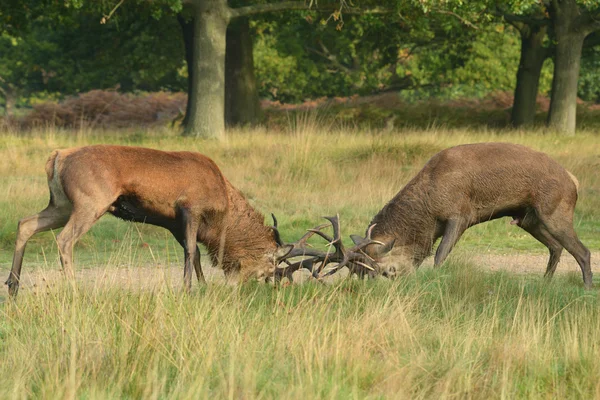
<point x="589" y="75"/>
<point x="434" y="48"/>
<point x="298" y="57"/>
<point x="76" y="53"/>
<point x="424" y="57"/>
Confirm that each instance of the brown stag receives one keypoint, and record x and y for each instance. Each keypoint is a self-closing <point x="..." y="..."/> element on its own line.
<point x="184" y="192"/>
<point x="466" y="185"/>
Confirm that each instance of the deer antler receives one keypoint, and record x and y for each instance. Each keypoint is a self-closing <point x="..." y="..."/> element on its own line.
<point x="354" y="257"/>
<point x="301" y="249"/>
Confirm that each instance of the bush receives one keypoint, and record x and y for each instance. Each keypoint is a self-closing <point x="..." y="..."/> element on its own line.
<point x="107" y="109"/>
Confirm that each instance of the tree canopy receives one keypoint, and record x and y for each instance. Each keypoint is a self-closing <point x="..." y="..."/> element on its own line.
<point x="304" y="50"/>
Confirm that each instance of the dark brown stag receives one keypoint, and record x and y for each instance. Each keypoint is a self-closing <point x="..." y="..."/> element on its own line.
<point x="465" y="185"/>
<point x="184" y="192"/>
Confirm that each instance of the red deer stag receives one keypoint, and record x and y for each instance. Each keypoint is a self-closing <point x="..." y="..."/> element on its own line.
<point x="184" y="192"/>
<point x="465" y="185"/>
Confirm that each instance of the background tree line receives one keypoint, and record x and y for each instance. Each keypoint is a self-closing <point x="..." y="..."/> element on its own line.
<point x="290" y="51"/>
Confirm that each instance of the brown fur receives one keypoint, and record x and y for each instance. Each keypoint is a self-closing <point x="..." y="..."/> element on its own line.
<point x="184" y="192"/>
<point x="247" y="238"/>
<point x="465" y="185"/>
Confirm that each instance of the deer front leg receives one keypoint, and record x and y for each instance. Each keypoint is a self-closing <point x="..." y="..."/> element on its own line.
<point x="198" y="267"/>
<point x="190" y="227"/>
<point x="453" y="231"/>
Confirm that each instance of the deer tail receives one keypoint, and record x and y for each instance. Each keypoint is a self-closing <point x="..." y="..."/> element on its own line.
<point x="575" y="181"/>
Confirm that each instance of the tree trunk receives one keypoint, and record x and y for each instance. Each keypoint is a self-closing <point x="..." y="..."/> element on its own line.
<point x="242" y="106"/>
<point x="533" y="54"/>
<point x="10" y="98"/>
<point x="187" y="30"/>
<point x="569" y="43"/>
<point x="9" y="105"/>
<point x="206" y="117"/>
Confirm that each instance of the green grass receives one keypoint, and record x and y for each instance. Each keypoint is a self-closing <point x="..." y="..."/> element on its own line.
<point x="300" y="175"/>
<point x="455" y="332"/>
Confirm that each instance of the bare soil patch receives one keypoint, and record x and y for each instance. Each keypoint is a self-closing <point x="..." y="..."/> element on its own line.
<point x="148" y="277"/>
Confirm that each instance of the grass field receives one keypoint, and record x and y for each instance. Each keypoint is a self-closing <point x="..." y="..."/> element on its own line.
<point x="457" y="332"/>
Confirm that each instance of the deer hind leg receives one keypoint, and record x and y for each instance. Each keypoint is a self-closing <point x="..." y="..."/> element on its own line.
<point x="452" y="232"/>
<point x="560" y="226"/>
<point x="538" y="231"/>
<point x="81" y="220"/>
<point x="50" y="218"/>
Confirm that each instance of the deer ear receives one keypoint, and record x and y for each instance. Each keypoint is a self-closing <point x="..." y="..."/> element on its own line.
<point x="356" y="239"/>
<point x="282" y="251"/>
<point x="386" y="248"/>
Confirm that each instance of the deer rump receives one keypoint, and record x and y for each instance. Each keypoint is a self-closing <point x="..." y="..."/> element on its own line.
<point x="465" y="185"/>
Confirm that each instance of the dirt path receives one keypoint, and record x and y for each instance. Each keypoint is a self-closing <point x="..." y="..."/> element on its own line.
<point x="149" y="277"/>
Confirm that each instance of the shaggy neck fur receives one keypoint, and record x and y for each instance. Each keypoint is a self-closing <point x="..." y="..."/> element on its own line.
<point x="247" y="241"/>
<point x="406" y="220"/>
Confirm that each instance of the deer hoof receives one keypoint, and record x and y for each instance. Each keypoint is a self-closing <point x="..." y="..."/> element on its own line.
<point x="13" y="288"/>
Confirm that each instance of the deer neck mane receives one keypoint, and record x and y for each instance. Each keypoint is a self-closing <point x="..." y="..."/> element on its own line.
<point x="405" y="218"/>
<point x="246" y="239"/>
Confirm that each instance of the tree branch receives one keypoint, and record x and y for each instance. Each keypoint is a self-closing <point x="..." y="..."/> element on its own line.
<point x="325" y="53"/>
<point x="302" y="5"/>
<point x="592" y="40"/>
<point x="105" y="18"/>
<point x="268" y="7"/>
<point x="461" y="19"/>
<point x="523" y="19"/>
<point x="590" y="21"/>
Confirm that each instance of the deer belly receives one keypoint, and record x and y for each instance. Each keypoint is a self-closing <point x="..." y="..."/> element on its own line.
<point x="129" y="208"/>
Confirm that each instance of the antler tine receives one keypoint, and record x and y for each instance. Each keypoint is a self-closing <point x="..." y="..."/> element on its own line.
<point x="322" y="234"/>
<point x="335" y="223"/>
<point x="301" y="246"/>
<point x="338" y="267"/>
<point x="288" y="270"/>
<point x="337" y="238"/>
<point x="369" y="231"/>
<point x="353" y="257"/>
<point x="276" y="231"/>
<point x="311" y="232"/>
<point x="340" y="254"/>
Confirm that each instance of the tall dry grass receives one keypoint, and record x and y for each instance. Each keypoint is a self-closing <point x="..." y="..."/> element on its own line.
<point x="457" y="332"/>
<point x="452" y="333"/>
<point x="313" y="168"/>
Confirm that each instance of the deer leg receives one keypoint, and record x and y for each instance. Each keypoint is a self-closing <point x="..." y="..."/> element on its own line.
<point x="198" y="267"/>
<point x="179" y="236"/>
<point x="452" y="232"/>
<point x="190" y="227"/>
<point x="79" y="223"/>
<point x="562" y="230"/>
<point x="569" y="240"/>
<point x="50" y="218"/>
<point x="539" y="232"/>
